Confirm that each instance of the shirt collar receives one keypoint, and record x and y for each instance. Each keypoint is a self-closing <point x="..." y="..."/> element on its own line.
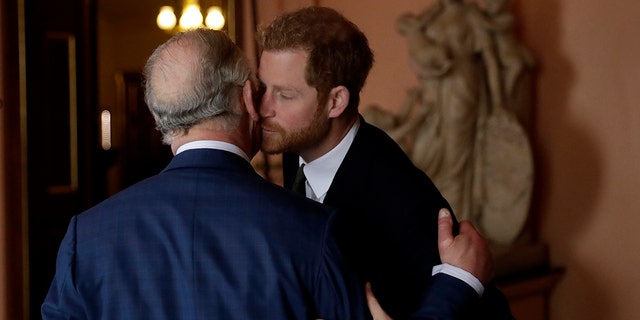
<point x="320" y="172"/>
<point x="213" y="144"/>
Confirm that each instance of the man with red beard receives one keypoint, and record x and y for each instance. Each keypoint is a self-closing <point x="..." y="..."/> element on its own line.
<point x="313" y="65"/>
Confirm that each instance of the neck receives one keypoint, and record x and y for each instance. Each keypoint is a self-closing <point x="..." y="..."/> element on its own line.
<point x="338" y="129"/>
<point x="204" y="132"/>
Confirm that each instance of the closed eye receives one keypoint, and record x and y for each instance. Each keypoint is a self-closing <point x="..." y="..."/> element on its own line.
<point x="286" y="95"/>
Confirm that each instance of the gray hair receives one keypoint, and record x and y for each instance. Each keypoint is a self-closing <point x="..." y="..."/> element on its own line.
<point x="195" y="76"/>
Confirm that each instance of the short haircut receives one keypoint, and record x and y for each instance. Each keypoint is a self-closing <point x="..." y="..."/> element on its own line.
<point x="339" y="52"/>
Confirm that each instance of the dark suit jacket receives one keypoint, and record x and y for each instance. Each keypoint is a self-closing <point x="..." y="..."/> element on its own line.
<point x="388" y="219"/>
<point x="207" y="238"/>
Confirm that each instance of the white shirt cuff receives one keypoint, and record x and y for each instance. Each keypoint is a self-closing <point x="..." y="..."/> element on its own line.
<point x="461" y="274"/>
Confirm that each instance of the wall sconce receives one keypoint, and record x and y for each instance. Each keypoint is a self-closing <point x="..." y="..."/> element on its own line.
<point x="191" y="17"/>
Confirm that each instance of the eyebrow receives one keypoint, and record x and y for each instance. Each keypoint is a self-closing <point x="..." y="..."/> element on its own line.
<point x="280" y="88"/>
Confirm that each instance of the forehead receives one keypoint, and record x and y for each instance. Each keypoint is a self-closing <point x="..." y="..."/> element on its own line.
<point x="283" y="67"/>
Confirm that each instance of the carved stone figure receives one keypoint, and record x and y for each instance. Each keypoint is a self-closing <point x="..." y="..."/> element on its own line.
<point x="515" y="60"/>
<point x="459" y="125"/>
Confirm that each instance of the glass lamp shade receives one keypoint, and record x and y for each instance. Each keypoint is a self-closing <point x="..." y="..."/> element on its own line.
<point x="166" y="18"/>
<point x="215" y="19"/>
<point x="191" y="17"/>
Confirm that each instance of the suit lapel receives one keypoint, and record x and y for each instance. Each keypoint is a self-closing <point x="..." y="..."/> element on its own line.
<point x="353" y="170"/>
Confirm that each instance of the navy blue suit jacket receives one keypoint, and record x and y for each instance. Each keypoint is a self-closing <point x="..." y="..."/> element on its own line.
<point x="387" y="225"/>
<point x="207" y="238"/>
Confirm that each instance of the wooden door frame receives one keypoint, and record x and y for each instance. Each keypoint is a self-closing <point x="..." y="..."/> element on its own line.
<point x="14" y="219"/>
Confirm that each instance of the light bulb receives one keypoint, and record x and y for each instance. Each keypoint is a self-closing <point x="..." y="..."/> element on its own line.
<point x="215" y="19"/>
<point x="191" y="17"/>
<point x="166" y="18"/>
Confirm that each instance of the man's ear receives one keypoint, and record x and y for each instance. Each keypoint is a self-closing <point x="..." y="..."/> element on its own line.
<point x="247" y="96"/>
<point x="338" y="100"/>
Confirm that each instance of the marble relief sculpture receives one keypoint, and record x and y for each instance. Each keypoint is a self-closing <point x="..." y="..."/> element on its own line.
<point x="463" y="124"/>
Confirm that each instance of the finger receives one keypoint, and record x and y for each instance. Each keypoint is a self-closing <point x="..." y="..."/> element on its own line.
<point x="371" y="299"/>
<point x="372" y="302"/>
<point x="374" y="307"/>
<point x="445" y="227"/>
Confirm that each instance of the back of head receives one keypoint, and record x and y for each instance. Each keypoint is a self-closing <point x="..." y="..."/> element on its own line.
<point x="339" y="52"/>
<point x="195" y="76"/>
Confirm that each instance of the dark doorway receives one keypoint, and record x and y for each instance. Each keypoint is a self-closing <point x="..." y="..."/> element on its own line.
<point x="64" y="173"/>
<point x="142" y="153"/>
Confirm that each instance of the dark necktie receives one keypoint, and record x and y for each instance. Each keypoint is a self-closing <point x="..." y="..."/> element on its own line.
<point x="300" y="181"/>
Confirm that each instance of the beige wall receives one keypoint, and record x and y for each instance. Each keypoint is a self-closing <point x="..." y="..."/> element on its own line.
<point x="588" y="143"/>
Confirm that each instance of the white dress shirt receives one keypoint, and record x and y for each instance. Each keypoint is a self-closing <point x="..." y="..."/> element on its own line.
<point x="320" y="172"/>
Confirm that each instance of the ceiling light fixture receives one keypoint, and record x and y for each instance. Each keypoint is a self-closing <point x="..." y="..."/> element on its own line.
<point x="191" y="17"/>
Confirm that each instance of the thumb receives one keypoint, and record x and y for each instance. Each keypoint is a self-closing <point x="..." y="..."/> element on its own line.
<point x="445" y="227"/>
